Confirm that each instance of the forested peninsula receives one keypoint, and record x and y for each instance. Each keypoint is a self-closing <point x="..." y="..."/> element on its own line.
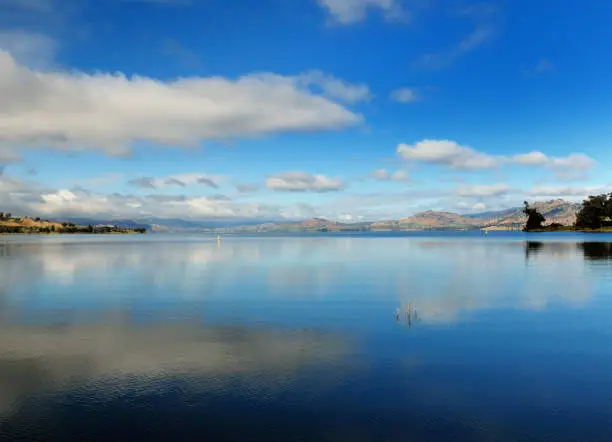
<point x="10" y="224"/>
<point x="594" y="216"/>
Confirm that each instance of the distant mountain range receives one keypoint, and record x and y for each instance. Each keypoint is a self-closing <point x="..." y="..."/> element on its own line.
<point x="555" y="211"/>
<point x="161" y="224"/>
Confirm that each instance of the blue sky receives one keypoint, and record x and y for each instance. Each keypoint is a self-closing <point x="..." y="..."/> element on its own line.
<point x="346" y="109"/>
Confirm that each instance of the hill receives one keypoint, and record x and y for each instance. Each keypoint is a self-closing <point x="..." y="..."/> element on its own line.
<point x="122" y="223"/>
<point x="311" y="225"/>
<point x="555" y="211"/>
<point x="433" y="219"/>
<point x="27" y="225"/>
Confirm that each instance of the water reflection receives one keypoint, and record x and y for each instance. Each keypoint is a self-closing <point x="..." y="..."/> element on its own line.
<point x="596" y="251"/>
<point x="259" y="279"/>
<point x="53" y="356"/>
<point x="532" y="248"/>
<point x="454" y="277"/>
<point x="294" y="339"/>
<point x="591" y="251"/>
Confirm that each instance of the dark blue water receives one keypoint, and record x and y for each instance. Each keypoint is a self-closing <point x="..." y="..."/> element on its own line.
<point x="436" y="337"/>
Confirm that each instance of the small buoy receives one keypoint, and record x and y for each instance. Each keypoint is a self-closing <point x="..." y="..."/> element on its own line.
<point x="218" y="238"/>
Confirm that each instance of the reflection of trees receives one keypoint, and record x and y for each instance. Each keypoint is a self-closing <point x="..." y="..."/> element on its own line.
<point x="445" y="279"/>
<point x="441" y="277"/>
<point x="547" y="250"/>
<point x="596" y="250"/>
<point x="532" y="248"/>
<point x="589" y="250"/>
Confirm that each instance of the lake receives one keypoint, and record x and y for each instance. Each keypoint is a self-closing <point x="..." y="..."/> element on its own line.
<point x="364" y="337"/>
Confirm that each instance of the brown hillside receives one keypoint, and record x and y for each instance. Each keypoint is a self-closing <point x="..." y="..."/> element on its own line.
<point x="433" y="219"/>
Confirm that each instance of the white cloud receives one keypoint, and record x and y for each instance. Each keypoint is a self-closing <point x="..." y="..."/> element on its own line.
<point x="336" y="88"/>
<point x="180" y="180"/>
<point x="385" y="175"/>
<point x="479" y="206"/>
<point x="576" y="161"/>
<point x="451" y="154"/>
<point x="568" y="191"/>
<point x="28" y="198"/>
<point x="78" y="111"/>
<point x="573" y="167"/>
<point x="400" y="175"/>
<point x="247" y="188"/>
<point x="73" y="202"/>
<point x="573" y="161"/>
<point x="353" y="11"/>
<point x="484" y="190"/>
<point x="403" y="95"/>
<point x="303" y="182"/>
<point x="380" y="174"/>
<point x="531" y="159"/>
<point x="447" y="153"/>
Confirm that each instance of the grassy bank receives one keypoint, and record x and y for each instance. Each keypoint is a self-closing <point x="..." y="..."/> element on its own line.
<point x="570" y="229"/>
<point x="35" y="226"/>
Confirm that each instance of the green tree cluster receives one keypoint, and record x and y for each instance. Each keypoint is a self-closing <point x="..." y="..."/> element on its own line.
<point x="534" y="218"/>
<point x="596" y="212"/>
<point x="10" y="229"/>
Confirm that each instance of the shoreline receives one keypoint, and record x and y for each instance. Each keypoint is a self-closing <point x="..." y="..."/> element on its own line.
<point x="70" y="233"/>
<point x="570" y="231"/>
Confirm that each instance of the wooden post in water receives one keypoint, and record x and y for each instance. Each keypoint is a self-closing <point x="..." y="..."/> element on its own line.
<point x="409" y="314"/>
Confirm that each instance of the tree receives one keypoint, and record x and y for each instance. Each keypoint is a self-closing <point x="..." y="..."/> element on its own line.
<point x="534" y="218"/>
<point x="597" y="250"/>
<point x="90" y="228"/>
<point x="8" y="215"/>
<point x="596" y="212"/>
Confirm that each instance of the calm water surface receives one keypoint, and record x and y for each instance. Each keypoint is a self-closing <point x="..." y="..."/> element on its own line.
<point x="297" y="338"/>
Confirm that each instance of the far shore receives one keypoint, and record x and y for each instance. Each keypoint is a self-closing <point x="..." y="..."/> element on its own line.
<point x="68" y="233"/>
<point x="571" y="229"/>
